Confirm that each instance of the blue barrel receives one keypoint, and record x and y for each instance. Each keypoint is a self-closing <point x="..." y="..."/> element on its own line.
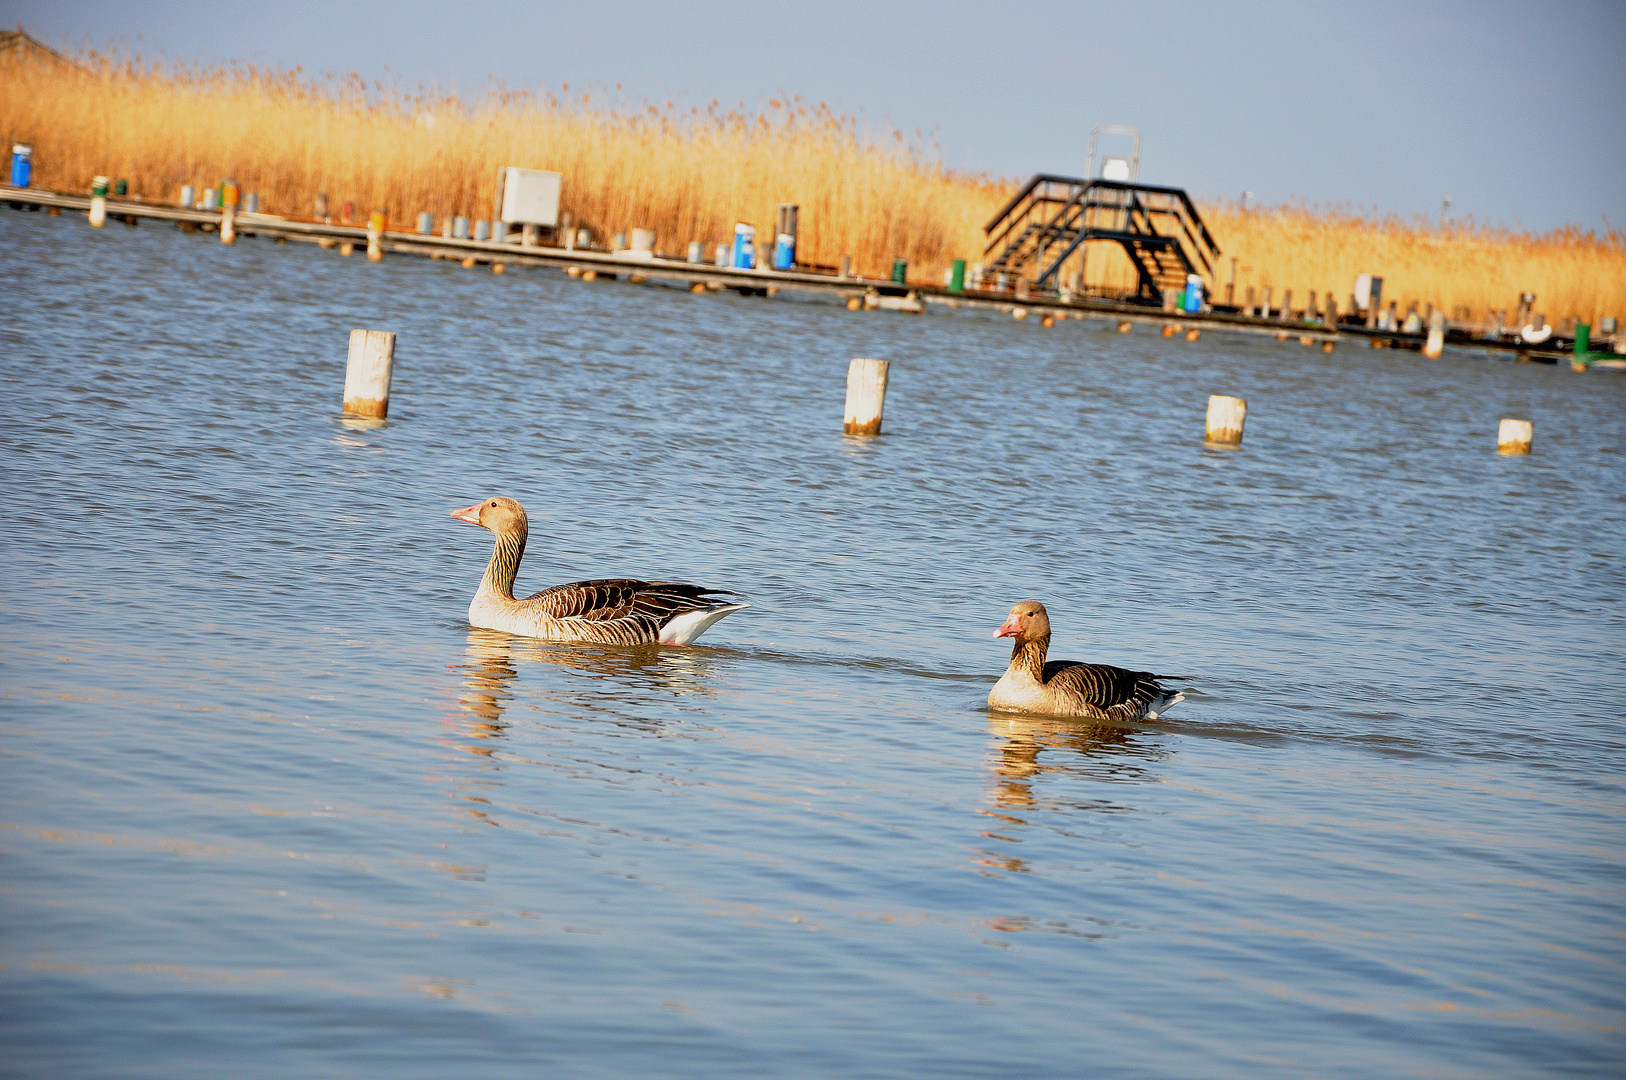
<point x="745" y="252"/>
<point x="784" y="252"/>
<point x="1194" y="293"/>
<point x="22" y="164"/>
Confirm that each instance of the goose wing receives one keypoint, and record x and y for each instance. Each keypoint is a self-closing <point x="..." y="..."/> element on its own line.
<point x="623" y="611"/>
<point x="1118" y="692"/>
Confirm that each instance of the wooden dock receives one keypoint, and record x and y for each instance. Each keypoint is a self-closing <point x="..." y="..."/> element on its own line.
<point x="869" y="292"/>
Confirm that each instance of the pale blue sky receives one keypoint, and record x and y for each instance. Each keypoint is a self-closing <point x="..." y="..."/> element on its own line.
<point x="1516" y="111"/>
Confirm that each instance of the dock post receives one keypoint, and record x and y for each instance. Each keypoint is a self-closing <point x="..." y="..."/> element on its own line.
<point x="98" y="202"/>
<point x="1514" y="436"/>
<point x="367" y="373"/>
<point x="1226" y="415"/>
<point x="189" y="196"/>
<point x="377" y="221"/>
<point x="697" y="252"/>
<point x="321" y="206"/>
<point x="530" y="235"/>
<point x="426" y="223"/>
<point x="1264" y="304"/>
<point x="846" y="266"/>
<point x="866" y="397"/>
<point x="230" y="196"/>
<point x="1287" y="303"/>
<point x="1248" y="309"/>
<point x="1436" y="335"/>
<point x="957" y="276"/>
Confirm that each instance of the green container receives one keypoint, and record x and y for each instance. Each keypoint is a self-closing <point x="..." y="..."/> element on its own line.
<point x="98" y="188"/>
<point x="1583" y="340"/>
<point x="122" y="188"/>
<point x="900" y="270"/>
<point x="957" y="277"/>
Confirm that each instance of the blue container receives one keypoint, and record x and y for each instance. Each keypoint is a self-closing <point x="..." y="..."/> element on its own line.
<point x="482" y="230"/>
<point x="460" y="228"/>
<point x="1194" y="293"/>
<point x="22" y="164"/>
<point x="745" y="251"/>
<point x="784" y="252"/>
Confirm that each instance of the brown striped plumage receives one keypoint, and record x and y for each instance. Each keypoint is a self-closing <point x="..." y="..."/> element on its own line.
<point x="1066" y="688"/>
<point x="607" y="611"/>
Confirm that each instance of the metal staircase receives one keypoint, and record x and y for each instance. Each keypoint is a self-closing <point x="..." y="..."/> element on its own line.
<point x="1054" y="216"/>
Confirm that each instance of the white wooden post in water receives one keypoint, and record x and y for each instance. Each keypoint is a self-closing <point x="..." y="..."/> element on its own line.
<point x="1515" y="436"/>
<point x="229" y="198"/>
<point x="377" y="222"/>
<point x="367" y="373"/>
<point x="98" y="202"/>
<point x="866" y="397"/>
<point x="1226" y="415"/>
<point x="1436" y="335"/>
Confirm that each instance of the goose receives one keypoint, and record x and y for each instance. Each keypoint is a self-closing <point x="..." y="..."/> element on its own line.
<point x="607" y="611"/>
<point x="1066" y="688"/>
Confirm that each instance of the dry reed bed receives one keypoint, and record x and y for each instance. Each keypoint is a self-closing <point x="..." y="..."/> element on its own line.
<point x="691" y="176"/>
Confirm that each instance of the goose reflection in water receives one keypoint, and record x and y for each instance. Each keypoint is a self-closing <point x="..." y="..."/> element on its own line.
<point x="495" y="660"/>
<point x="1087" y="750"/>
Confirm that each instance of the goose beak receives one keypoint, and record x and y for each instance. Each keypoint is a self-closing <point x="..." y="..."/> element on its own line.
<point x="470" y="514"/>
<point x="1008" y="628"/>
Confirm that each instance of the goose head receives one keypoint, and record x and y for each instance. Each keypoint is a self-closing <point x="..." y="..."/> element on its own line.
<point x="500" y="515"/>
<point x="1028" y="621"/>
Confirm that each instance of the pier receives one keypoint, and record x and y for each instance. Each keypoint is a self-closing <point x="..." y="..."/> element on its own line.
<point x="1048" y="305"/>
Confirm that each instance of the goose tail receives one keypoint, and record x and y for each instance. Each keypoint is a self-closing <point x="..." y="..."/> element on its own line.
<point x="682" y="629"/>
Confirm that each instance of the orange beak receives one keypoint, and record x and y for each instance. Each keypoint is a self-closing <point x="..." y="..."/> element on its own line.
<point x="470" y="514"/>
<point x="1009" y="628"/>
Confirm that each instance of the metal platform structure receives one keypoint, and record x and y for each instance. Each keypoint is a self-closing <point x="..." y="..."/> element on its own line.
<point x="1052" y="218"/>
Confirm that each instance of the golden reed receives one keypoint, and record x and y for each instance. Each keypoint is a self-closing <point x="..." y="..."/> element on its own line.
<point x="691" y="175"/>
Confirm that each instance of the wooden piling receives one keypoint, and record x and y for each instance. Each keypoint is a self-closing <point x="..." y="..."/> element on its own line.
<point x="1125" y="326"/>
<point x="1515" y="436"/>
<point x="230" y="198"/>
<point x="1226" y="416"/>
<point x="866" y="397"/>
<point x="347" y="249"/>
<point x="367" y="373"/>
<point x="1193" y="334"/>
<point x="377" y="221"/>
<point x="321" y="206"/>
<point x="98" y="202"/>
<point x="1436" y="335"/>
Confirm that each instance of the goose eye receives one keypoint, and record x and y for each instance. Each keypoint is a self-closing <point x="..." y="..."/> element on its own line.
<point x="493" y="502"/>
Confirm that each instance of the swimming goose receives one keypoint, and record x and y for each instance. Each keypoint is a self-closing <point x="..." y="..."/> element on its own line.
<point x="608" y="611"/>
<point x="1065" y="688"/>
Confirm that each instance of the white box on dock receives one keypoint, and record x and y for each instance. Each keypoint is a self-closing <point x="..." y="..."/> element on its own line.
<point x="528" y="196"/>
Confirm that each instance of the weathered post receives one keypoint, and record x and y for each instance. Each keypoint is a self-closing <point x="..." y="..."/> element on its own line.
<point x="377" y="221"/>
<point x="1226" y="415"/>
<point x="697" y="251"/>
<point x="98" y="202"/>
<point x="1436" y="335"/>
<point x="367" y="373"/>
<point x="426" y="223"/>
<point x="229" y="198"/>
<point x="866" y="397"/>
<point x="321" y="206"/>
<point x="1514" y="436"/>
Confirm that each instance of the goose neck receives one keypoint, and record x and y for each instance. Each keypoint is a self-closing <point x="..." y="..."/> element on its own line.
<point x="504" y="565"/>
<point x="1028" y="656"/>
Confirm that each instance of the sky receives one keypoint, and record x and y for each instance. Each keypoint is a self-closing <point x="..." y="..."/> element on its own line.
<point x="1516" y="112"/>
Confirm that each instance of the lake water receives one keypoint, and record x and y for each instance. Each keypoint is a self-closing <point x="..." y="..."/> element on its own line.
<point x="272" y="808"/>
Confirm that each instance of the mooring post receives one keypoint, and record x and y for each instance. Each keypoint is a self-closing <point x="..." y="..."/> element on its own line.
<point x="1226" y="415"/>
<point x="377" y="221"/>
<point x="98" y="202"/>
<point x="1264" y="304"/>
<point x="697" y="251"/>
<point x="426" y="223"/>
<point x="1436" y="335"/>
<point x="321" y="206"/>
<point x="367" y="373"/>
<point x="866" y="397"/>
<point x="230" y="196"/>
<point x="1514" y="436"/>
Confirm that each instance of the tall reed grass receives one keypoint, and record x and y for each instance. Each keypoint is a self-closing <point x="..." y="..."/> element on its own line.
<point x="690" y="175"/>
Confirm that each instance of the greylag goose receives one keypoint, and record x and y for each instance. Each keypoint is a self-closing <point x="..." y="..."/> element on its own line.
<point x="1065" y="688"/>
<point x="608" y="611"/>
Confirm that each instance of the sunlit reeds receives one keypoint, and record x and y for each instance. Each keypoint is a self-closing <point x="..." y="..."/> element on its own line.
<point x="690" y="174"/>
